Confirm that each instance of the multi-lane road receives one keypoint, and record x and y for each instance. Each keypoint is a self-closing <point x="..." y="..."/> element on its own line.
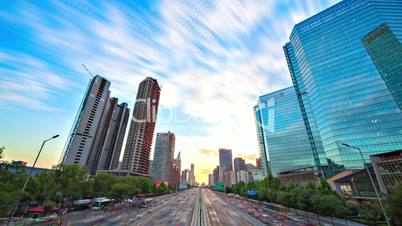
<point x="193" y="207"/>
<point x="221" y="212"/>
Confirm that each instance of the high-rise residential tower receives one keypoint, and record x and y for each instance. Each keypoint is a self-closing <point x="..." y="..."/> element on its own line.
<point x="344" y="66"/>
<point x="113" y="140"/>
<point x="225" y="160"/>
<point x="142" y="126"/>
<point x="163" y="156"/>
<point x="285" y="135"/>
<point x="87" y="122"/>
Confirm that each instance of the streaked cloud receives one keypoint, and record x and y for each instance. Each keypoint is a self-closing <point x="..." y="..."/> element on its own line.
<point x="212" y="58"/>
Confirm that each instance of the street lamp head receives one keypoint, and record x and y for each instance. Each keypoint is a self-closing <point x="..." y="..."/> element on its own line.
<point x="55" y="136"/>
<point x="347" y="145"/>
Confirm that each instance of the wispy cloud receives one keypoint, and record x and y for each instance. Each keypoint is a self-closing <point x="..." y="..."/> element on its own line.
<point x="208" y="152"/>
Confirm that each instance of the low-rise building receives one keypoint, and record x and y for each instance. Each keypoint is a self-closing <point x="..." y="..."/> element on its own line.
<point x="354" y="184"/>
<point x="256" y="175"/>
<point x="388" y="169"/>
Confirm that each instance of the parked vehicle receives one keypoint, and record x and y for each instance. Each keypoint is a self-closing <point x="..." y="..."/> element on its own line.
<point x="101" y="203"/>
<point x="82" y="204"/>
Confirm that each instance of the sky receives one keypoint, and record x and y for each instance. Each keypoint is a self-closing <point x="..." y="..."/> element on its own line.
<point x="213" y="60"/>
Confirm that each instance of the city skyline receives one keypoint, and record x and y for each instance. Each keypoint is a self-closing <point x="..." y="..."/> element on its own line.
<point x="44" y="80"/>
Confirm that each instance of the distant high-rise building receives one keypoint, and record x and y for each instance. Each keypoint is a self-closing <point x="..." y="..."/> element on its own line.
<point x="185" y="175"/>
<point x="150" y="168"/>
<point x="239" y="164"/>
<point x="285" y="134"/>
<point x="225" y="159"/>
<point x="177" y="161"/>
<point x="258" y="163"/>
<point x="140" y="135"/>
<point x="250" y="166"/>
<point x="175" y="171"/>
<point x="216" y="175"/>
<point x="87" y="122"/>
<point x="114" y="136"/>
<point x="348" y="80"/>
<point x="211" y="181"/>
<point x="192" y="175"/>
<point x="229" y="178"/>
<point x="242" y="176"/>
<point x="163" y="156"/>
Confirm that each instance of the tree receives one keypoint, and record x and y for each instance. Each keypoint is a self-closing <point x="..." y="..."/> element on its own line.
<point x="2" y="148"/>
<point x="286" y="198"/>
<point x="72" y="180"/>
<point x="121" y="191"/>
<point x="44" y="186"/>
<point x="371" y="212"/>
<point x="328" y="204"/>
<point x="394" y="204"/>
<point x="49" y="205"/>
<point x="303" y="199"/>
<point x="103" y="183"/>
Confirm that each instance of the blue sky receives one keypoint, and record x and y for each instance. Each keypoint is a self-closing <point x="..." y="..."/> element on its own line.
<point x="212" y="58"/>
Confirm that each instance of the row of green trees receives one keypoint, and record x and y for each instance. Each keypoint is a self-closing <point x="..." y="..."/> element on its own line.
<point x="320" y="198"/>
<point x="68" y="182"/>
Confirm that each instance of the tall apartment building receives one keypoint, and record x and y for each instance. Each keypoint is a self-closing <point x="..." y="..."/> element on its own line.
<point x="87" y="122"/>
<point x="142" y="126"/>
<point x="285" y="136"/>
<point x="113" y="141"/>
<point x="345" y="69"/>
<point x="163" y="156"/>
<point x="97" y="136"/>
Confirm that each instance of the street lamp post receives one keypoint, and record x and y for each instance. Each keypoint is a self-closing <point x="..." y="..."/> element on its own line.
<point x="371" y="180"/>
<point x="29" y="177"/>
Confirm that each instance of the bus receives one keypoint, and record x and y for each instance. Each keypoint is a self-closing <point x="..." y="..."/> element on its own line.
<point x="81" y="204"/>
<point x="100" y="203"/>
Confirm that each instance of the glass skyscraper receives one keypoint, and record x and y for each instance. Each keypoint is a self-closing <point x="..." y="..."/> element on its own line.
<point x="282" y="133"/>
<point x="348" y="93"/>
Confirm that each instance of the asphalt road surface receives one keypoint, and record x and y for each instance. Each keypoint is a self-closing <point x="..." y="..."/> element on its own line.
<point x="221" y="212"/>
<point x="174" y="209"/>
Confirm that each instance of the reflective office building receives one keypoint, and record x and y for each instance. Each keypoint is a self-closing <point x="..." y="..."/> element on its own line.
<point x="347" y="90"/>
<point x="285" y="140"/>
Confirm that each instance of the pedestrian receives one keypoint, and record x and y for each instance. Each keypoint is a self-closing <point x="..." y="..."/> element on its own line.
<point x="59" y="221"/>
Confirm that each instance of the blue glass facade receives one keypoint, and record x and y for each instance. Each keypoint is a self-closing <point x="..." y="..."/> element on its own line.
<point x="342" y="95"/>
<point x="264" y="159"/>
<point x="282" y="133"/>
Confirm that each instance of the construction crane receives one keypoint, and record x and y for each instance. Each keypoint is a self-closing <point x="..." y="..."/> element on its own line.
<point x="83" y="65"/>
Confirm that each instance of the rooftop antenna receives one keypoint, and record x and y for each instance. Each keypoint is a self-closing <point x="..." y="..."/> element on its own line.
<point x="87" y="70"/>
